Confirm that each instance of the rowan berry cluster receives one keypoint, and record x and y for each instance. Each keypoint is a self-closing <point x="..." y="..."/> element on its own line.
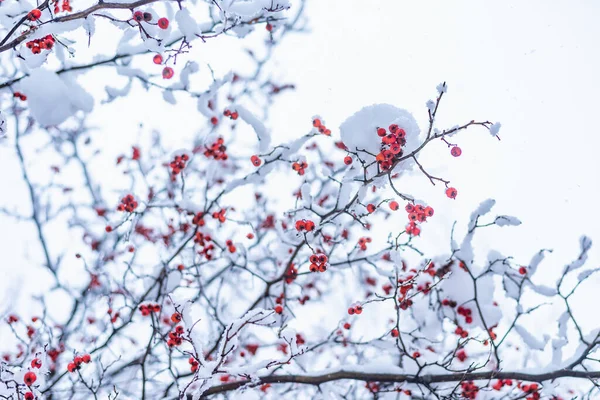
<point x="391" y="146"/>
<point x="147" y="309"/>
<point x="220" y="215"/>
<point x="20" y="96"/>
<point x="66" y="6"/>
<point x="231" y="114"/>
<point x="305" y="225"/>
<point x="461" y="332"/>
<point x="355" y="309"/>
<point x="128" y="204"/>
<point x="204" y="241"/>
<point x="465" y="312"/>
<point x="320" y="126"/>
<point x="217" y="150"/>
<point x="37" y="45"/>
<point x="175" y="338"/>
<point x="500" y="383"/>
<point x="299" y="167"/>
<point x="77" y="361"/>
<point x="417" y="213"/>
<point x="318" y="262"/>
<point x="178" y="164"/>
<point x="531" y="389"/>
<point x="198" y="219"/>
<point x="230" y="246"/>
<point x="194" y="364"/>
<point x="469" y="390"/>
<point x="362" y="242"/>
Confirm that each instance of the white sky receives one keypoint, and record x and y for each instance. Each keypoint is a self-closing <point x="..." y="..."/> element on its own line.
<point x="531" y="65"/>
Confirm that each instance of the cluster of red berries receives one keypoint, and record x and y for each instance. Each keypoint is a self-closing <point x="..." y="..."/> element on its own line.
<point x="178" y="164"/>
<point x="465" y="312"/>
<point x="305" y="225"/>
<point x="128" y="204"/>
<point x="317" y="123"/>
<point x="461" y="332"/>
<point x="77" y="361"/>
<point x="469" y="390"/>
<point x="500" y="383"/>
<point x="175" y="338"/>
<point x="299" y="167"/>
<point x="449" y="303"/>
<point x="355" y="309"/>
<point x="139" y="16"/>
<point x="255" y="161"/>
<point x="66" y="6"/>
<point x="417" y="213"/>
<point x="230" y="246"/>
<point x="12" y="319"/>
<point x="198" y="219"/>
<point x="194" y="364"/>
<point x="461" y="355"/>
<point x="146" y="309"/>
<point x="362" y="242"/>
<point x="318" y="262"/>
<point x="34" y="15"/>
<point x="37" y="45"/>
<point x="220" y="215"/>
<point x="533" y="390"/>
<point x="20" y="96"/>
<point x="204" y="241"/>
<point x="451" y="192"/>
<point x="231" y="114"/>
<point x="391" y="146"/>
<point x="217" y="150"/>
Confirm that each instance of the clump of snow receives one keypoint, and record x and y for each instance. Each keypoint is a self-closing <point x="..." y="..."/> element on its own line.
<point x="495" y="128"/>
<point x="263" y="134"/>
<point x="187" y="25"/>
<point x="53" y="99"/>
<point x="507" y="220"/>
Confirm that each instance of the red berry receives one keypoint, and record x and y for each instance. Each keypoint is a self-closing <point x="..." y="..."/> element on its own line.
<point x="29" y="396"/>
<point x="522" y="270"/>
<point x="29" y="378"/>
<point x="381" y="132"/>
<point x="158" y="59"/>
<point x="163" y="23"/>
<point x="34" y="14"/>
<point x="347" y="160"/>
<point x="371" y="208"/>
<point x="138" y="16"/>
<point x="36" y="363"/>
<point x="451" y="193"/>
<point x="394" y="205"/>
<point x="456" y="151"/>
<point x="278" y="309"/>
<point x="395" y="332"/>
<point x="347" y="325"/>
<point x="351" y="310"/>
<point x="86" y="358"/>
<point x="214" y="120"/>
<point x="255" y="161"/>
<point x="71" y="367"/>
<point x="269" y="27"/>
<point x="167" y="73"/>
